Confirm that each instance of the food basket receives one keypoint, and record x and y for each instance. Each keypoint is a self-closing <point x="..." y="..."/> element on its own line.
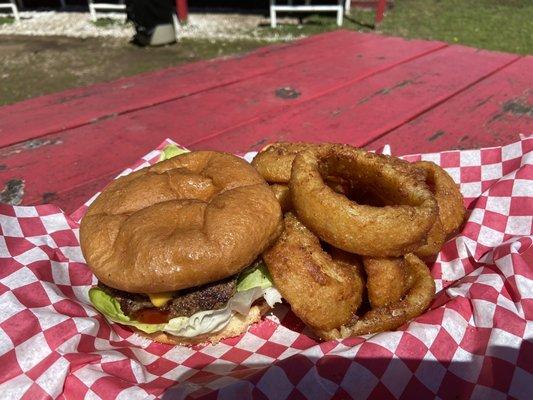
<point x="476" y="341"/>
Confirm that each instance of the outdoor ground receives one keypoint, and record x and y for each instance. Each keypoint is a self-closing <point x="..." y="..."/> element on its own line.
<point x="36" y="65"/>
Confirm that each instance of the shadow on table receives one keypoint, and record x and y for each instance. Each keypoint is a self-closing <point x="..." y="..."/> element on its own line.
<point x="360" y="377"/>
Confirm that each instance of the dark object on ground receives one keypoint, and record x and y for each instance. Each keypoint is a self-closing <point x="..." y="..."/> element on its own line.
<point x="147" y="16"/>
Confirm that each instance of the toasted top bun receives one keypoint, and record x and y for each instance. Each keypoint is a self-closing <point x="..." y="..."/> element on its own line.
<point x="237" y="324"/>
<point x="193" y="219"/>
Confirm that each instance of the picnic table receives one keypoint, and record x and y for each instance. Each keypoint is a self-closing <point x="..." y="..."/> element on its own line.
<point x="363" y="89"/>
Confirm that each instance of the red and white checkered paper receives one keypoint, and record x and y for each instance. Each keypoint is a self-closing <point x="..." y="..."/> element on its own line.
<point x="476" y="341"/>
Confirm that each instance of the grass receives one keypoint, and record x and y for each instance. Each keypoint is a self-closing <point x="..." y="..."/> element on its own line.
<point x="33" y="66"/>
<point x="6" y="20"/>
<point x="108" y="22"/>
<point x="504" y="25"/>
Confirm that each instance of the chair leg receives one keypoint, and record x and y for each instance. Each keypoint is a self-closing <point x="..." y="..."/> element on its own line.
<point x="92" y="11"/>
<point x="347" y="6"/>
<point x="380" y="10"/>
<point x="340" y="13"/>
<point x="15" y="10"/>
<point x="182" y="8"/>
<point x="273" y="22"/>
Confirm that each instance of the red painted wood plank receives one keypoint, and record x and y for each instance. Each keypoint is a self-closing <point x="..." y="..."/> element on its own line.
<point x="490" y="113"/>
<point x="113" y="144"/>
<point x="53" y="113"/>
<point x="286" y="51"/>
<point x="71" y="199"/>
<point x="364" y="111"/>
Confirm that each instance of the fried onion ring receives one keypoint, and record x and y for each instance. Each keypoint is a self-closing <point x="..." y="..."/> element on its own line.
<point x="283" y="195"/>
<point x="449" y="198"/>
<point x="435" y="239"/>
<point x="275" y="162"/>
<point x="386" y="280"/>
<point x="356" y="228"/>
<point x="324" y="291"/>
<point x="451" y="208"/>
<point x="415" y="302"/>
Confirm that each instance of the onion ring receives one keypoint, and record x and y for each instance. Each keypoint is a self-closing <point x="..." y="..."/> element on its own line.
<point x="353" y="227"/>
<point x="386" y="280"/>
<point x="449" y="198"/>
<point x="283" y="195"/>
<point x="415" y="302"/>
<point x="435" y="239"/>
<point x="275" y="162"/>
<point x="324" y="291"/>
<point x="451" y="208"/>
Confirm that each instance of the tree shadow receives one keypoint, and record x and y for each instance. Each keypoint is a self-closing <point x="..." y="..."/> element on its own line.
<point x="338" y="375"/>
<point x="359" y="23"/>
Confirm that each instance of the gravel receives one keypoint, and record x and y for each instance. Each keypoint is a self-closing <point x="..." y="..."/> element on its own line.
<point x="200" y="26"/>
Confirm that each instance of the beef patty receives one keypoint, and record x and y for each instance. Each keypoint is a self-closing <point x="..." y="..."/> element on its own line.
<point x="185" y="303"/>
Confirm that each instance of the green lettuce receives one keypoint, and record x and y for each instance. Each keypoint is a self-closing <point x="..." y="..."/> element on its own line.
<point x="110" y="307"/>
<point x="256" y="276"/>
<point x="172" y="150"/>
<point x="252" y="283"/>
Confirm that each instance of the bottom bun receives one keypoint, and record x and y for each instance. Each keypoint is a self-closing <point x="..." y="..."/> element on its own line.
<point x="237" y="324"/>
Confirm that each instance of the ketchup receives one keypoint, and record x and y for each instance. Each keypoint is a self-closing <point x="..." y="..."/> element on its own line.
<point x="152" y="316"/>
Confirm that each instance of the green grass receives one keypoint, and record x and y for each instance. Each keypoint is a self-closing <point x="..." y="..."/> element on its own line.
<point x="34" y="66"/>
<point x="504" y="25"/>
<point x="6" y="20"/>
<point x="107" y="22"/>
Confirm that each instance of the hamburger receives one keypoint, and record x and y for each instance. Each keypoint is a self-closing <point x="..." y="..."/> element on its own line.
<point x="176" y="247"/>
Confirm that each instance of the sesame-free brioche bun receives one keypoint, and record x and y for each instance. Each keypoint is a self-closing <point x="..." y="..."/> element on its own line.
<point x="238" y="324"/>
<point x="191" y="220"/>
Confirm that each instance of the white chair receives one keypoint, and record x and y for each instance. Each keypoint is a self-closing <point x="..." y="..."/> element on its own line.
<point x="290" y="7"/>
<point x="11" y="4"/>
<point x="93" y="7"/>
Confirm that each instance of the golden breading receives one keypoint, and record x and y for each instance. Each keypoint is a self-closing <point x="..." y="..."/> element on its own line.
<point x="193" y="219"/>
<point x="324" y="291"/>
<point x="274" y="163"/>
<point x="415" y="302"/>
<point x="386" y="280"/>
<point x="388" y="231"/>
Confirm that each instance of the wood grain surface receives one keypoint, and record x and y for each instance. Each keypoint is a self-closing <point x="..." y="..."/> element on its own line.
<point x="350" y="87"/>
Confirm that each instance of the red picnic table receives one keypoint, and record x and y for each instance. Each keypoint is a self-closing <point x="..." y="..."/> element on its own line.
<point x="364" y="89"/>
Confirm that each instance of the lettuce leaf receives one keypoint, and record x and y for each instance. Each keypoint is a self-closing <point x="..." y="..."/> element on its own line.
<point x="110" y="307"/>
<point x="252" y="284"/>
<point x="256" y="276"/>
<point x="213" y="320"/>
<point x="172" y="151"/>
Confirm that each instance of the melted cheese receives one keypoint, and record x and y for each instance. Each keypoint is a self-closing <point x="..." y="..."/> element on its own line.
<point x="160" y="299"/>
